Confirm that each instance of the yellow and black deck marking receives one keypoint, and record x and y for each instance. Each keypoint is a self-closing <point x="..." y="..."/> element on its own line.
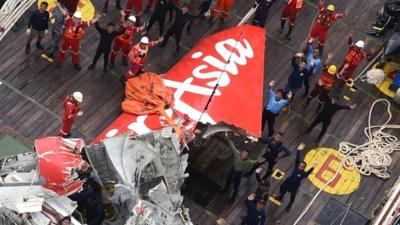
<point x="278" y="174"/>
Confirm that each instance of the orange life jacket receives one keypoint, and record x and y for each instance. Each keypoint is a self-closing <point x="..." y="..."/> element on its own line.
<point x="138" y="55"/>
<point x="328" y="79"/>
<point x="129" y="33"/>
<point x="74" y="31"/>
<point x="299" y="3"/>
<point x="354" y="56"/>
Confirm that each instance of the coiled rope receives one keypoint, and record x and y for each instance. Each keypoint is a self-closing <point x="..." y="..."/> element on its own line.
<point x="372" y="157"/>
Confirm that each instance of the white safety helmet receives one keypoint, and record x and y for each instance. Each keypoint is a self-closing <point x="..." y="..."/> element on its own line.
<point x="78" y="15"/>
<point x="144" y="40"/>
<point x="360" y="44"/>
<point x="78" y="96"/>
<point x="132" y="18"/>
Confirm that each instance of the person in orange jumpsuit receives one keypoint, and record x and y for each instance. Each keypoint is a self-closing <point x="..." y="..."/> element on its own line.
<point x="224" y="6"/>
<point x="72" y="109"/>
<point x="326" y="17"/>
<point x="124" y="41"/>
<point x="73" y="33"/>
<point x="137" y="56"/>
<point x="292" y="7"/>
<point x="323" y="86"/>
<point x="353" y="58"/>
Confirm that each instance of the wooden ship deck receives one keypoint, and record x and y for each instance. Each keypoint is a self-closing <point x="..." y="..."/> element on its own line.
<point x="32" y="91"/>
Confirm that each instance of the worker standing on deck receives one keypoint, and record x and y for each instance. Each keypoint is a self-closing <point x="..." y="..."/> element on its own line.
<point x="275" y="104"/>
<point x="58" y="28"/>
<point x="124" y="41"/>
<point x="37" y="26"/>
<point x="223" y="7"/>
<point x="330" y="108"/>
<point x="241" y="164"/>
<point x="353" y="58"/>
<point x="106" y="38"/>
<point x="299" y="74"/>
<point x="290" y="10"/>
<point x="73" y="34"/>
<point x="159" y="14"/>
<point x="326" y="17"/>
<point x="261" y="13"/>
<point x="324" y="85"/>
<point x="276" y="150"/>
<point x="293" y="182"/>
<point x="182" y="17"/>
<point x="313" y="58"/>
<point x="255" y="212"/>
<point x="137" y="56"/>
<point x="72" y="109"/>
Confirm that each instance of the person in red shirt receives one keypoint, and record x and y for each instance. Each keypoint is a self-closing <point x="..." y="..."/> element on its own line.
<point x="73" y="33"/>
<point x="72" y="109"/>
<point x="324" y="85"/>
<point x="123" y="42"/>
<point x="326" y="17"/>
<point x="292" y="7"/>
<point x="137" y="56"/>
<point x="353" y="58"/>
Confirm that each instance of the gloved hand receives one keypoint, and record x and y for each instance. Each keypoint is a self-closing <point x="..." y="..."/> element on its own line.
<point x="46" y="32"/>
<point x="28" y="31"/>
<point x="80" y="113"/>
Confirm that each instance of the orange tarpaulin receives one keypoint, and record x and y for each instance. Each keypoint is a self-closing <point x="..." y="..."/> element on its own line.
<point x="146" y="94"/>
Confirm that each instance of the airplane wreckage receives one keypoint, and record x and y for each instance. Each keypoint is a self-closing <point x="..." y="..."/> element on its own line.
<point x="139" y="161"/>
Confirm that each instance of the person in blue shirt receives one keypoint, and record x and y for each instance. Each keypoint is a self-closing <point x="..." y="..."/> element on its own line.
<point x="38" y="26"/>
<point x="275" y="104"/>
<point x="293" y="182"/>
<point x="313" y="57"/>
<point x="255" y="212"/>
<point x="299" y="74"/>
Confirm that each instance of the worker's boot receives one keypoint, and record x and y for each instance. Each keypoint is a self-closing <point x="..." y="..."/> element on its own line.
<point x="59" y="65"/>
<point x="39" y="46"/>
<point x="283" y="22"/>
<point x="78" y="66"/>
<point x="307" y="102"/>
<point x="287" y="209"/>
<point x="28" y="49"/>
<point x="90" y="67"/>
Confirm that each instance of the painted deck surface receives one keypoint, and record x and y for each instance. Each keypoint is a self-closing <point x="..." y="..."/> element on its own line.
<point x="33" y="90"/>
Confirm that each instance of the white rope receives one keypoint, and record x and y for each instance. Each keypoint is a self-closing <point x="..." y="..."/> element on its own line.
<point x="10" y="13"/>
<point x="372" y="157"/>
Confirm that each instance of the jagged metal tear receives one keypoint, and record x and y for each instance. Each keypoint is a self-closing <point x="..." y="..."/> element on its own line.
<point x="144" y="158"/>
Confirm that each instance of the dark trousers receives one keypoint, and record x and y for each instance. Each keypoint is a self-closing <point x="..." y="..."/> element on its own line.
<point x="260" y="17"/>
<point x="234" y="177"/>
<point x="325" y="124"/>
<point x="306" y="86"/>
<point x="160" y="19"/>
<point x="268" y="117"/>
<point x="285" y="188"/>
<point x="177" y="32"/>
<point x="99" y="52"/>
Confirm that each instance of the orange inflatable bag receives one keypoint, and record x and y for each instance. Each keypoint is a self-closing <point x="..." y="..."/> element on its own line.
<point x="146" y="94"/>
